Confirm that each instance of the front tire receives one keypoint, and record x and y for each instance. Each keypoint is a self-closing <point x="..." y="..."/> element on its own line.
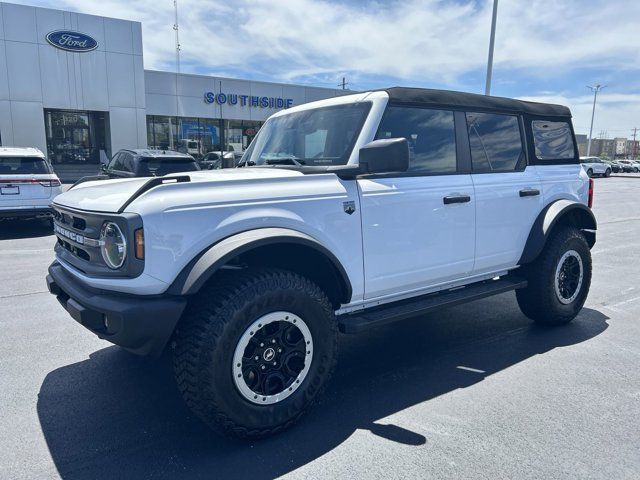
<point x="607" y="173"/>
<point x="558" y="280"/>
<point x="252" y="353"/>
<point x="590" y="173"/>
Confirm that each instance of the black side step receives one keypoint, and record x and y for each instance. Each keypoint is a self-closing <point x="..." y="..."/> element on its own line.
<point x="360" y="321"/>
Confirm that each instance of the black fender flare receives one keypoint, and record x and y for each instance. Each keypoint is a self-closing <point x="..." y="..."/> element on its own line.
<point x="548" y="218"/>
<point x="208" y="262"/>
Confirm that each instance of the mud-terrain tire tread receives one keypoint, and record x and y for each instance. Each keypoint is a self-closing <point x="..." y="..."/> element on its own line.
<point x="202" y="326"/>
<point x="538" y="300"/>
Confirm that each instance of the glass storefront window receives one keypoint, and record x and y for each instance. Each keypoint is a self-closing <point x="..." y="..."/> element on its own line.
<point x="77" y="137"/>
<point x="240" y="133"/>
<point x="199" y="136"/>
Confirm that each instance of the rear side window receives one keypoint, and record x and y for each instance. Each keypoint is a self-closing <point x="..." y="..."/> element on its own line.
<point x="495" y="142"/>
<point x="23" y="166"/>
<point x="431" y="135"/>
<point x="552" y="140"/>
<point x="162" y="166"/>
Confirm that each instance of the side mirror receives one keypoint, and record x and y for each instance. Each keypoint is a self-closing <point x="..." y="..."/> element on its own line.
<point x="385" y="156"/>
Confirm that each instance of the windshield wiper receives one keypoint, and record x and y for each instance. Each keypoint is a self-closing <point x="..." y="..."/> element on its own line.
<point x="246" y="163"/>
<point x="285" y="161"/>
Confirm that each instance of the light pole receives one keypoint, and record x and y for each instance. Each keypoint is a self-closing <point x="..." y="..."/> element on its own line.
<point x="487" y="88"/>
<point x="595" y="91"/>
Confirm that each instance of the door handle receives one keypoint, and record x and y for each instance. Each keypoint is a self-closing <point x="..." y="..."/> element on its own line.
<point x="456" y="199"/>
<point x="529" y="192"/>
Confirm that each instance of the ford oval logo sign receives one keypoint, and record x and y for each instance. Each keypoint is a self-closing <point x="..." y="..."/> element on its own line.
<point x="71" y="41"/>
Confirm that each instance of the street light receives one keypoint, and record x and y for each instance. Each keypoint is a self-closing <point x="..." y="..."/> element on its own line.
<point x="595" y="91"/>
<point x="487" y="88"/>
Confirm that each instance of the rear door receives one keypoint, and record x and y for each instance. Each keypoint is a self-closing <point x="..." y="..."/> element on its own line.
<point x="418" y="226"/>
<point x="507" y="190"/>
<point x="25" y="181"/>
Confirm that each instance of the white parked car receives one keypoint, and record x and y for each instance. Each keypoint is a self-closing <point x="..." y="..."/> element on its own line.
<point x="350" y="213"/>
<point x="630" y="166"/>
<point x="27" y="183"/>
<point x="595" y="166"/>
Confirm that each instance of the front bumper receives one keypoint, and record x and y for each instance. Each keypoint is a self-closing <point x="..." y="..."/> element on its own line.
<point x="140" y="324"/>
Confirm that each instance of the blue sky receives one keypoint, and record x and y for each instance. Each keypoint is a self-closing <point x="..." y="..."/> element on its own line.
<point x="545" y="50"/>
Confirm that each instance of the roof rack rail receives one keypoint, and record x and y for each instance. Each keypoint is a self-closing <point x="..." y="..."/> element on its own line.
<point x="154" y="182"/>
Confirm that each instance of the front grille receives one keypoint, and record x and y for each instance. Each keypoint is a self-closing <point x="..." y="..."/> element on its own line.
<point x="79" y="236"/>
<point x="77" y="251"/>
<point x="67" y="219"/>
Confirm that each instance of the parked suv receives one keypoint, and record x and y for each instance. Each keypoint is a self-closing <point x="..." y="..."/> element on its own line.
<point x="614" y="164"/>
<point x="359" y="211"/>
<point x="629" y="166"/>
<point x="595" y="166"/>
<point x="27" y="183"/>
<point x="148" y="163"/>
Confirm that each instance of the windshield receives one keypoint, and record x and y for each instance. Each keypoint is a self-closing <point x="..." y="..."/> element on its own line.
<point x="316" y="137"/>
<point x="23" y="166"/>
<point x="158" y="167"/>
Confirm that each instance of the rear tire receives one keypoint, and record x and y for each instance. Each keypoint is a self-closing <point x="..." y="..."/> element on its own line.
<point x="607" y="173"/>
<point x="229" y="377"/>
<point x="590" y="173"/>
<point x="558" y="280"/>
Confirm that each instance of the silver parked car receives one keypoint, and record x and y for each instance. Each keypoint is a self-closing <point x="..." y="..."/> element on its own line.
<point x="630" y="166"/>
<point x="595" y="166"/>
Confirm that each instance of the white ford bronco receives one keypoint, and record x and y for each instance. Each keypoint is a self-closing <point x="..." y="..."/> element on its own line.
<point x="345" y="214"/>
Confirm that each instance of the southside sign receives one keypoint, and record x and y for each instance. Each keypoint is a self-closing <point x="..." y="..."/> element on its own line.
<point x="247" y="100"/>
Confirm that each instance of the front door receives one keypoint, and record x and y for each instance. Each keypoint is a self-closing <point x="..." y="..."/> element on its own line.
<point x="508" y="193"/>
<point x="418" y="227"/>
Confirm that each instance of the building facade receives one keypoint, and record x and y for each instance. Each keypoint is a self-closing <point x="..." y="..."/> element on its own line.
<point x="74" y="86"/>
<point x="618" y="147"/>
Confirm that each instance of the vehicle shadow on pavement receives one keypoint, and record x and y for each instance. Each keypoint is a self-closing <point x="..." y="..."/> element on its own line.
<point x="118" y="416"/>
<point x="18" y="229"/>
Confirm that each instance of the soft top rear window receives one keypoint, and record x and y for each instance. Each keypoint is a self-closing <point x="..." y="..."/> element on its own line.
<point x="165" y="165"/>
<point x="553" y="140"/>
<point x="23" y="166"/>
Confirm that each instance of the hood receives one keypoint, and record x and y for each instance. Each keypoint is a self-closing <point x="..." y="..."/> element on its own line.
<point x="109" y="196"/>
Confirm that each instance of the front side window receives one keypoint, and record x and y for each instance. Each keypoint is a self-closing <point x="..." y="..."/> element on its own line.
<point x="23" y="166"/>
<point x="552" y="140"/>
<point x="316" y="137"/>
<point x="495" y="142"/>
<point x="430" y="133"/>
<point x="127" y="162"/>
<point x="117" y="163"/>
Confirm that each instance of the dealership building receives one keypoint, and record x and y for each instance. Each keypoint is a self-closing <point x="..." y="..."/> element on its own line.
<point x="74" y="86"/>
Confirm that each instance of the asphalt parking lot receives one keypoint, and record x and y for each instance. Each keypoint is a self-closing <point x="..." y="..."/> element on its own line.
<point x="473" y="392"/>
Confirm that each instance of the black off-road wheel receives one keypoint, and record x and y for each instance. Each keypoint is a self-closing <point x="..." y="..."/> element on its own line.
<point x="558" y="280"/>
<point x="254" y="349"/>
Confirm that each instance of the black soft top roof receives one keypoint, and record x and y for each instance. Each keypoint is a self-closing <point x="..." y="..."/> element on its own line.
<point x="448" y="98"/>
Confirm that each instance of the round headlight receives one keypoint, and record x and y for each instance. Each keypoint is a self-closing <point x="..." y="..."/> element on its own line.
<point x="113" y="245"/>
